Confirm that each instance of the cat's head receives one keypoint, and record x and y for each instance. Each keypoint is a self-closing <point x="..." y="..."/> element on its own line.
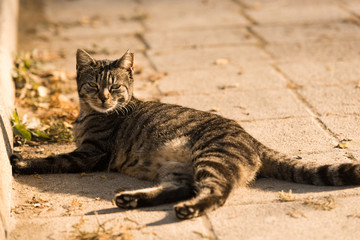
<point x="105" y="85"/>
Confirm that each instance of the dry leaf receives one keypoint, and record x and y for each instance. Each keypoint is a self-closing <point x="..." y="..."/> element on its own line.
<point x="58" y="75"/>
<point x="82" y="174"/>
<point x="221" y="61"/>
<point x="241" y="107"/>
<point x="75" y="205"/>
<point x="36" y="175"/>
<point x="17" y="149"/>
<point x="343" y="145"/>
<point x="42" y="91"/>
<point x="293" y="85"/>
<point x="325" y="203"/>
<point x="171" y="93"/>
<point x="287" y="197"/>
<point x="38" y="202"/>
<point x="223" y="87"/>
<point x="214" y="109"/>
<point x="84" y="20"/>
<point x="296" y="214"/>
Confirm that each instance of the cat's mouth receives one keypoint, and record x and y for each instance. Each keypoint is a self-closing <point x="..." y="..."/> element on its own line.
<point x="108" y="106"/>
<point x="102" y="107"/>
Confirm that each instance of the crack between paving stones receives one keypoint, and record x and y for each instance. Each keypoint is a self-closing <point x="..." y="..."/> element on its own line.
<point x="313" y="112"/>
<point x="243" y="12"/>
<point x="140" y="37"/>
<point x="346" y="8"/>
<point x="208" y="225"/>
<point x="311" y="109"/>
<point x="262" y="42"/>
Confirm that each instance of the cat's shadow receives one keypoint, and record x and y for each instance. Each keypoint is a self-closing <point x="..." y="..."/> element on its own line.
<point x="168" y="219"/>
<point x="99" y="185"/>
<point x="104" y="185"/>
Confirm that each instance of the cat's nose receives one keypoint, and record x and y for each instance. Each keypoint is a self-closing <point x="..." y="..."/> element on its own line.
<point x="104" y="95"/>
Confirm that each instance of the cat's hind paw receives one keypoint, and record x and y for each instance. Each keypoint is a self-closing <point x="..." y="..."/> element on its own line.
<point x="124" y="200"/>
<point x="184" y="211"/>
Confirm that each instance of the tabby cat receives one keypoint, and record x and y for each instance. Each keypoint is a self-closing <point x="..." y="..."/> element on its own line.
<point x="196" y="157"/>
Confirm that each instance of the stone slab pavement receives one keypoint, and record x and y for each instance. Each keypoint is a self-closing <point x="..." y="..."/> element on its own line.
<point x="287" y="70"/>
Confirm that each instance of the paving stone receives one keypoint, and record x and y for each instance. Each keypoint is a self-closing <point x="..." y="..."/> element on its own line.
<point x="295" y="12"/>
<point x="335" y="155"/>
<point x="322" y="33"/>
<point x="198" y="38"/>
<point x="165" y="15"/>
<point x="266" y="190"/>
<point x="346" y="127"/>
<point x="106" y="28"/>
<point x="131" y="225"/>
<point x="82" y="10"/>
<point x="356" y="154"/>
<point x="287" y="221"/>
<point x="141" y="63"/>
<point x="247" y="77"/>
<point x="352" y="5"/>
<point x="292" y="136"/>
<point x="339" y="99"/>
<point x="325" y="52"/>
<point x="96" y="45"/>
<point x="245" y="105"/>
<point x="318" y="73"/>
<point x="205" y="57"/>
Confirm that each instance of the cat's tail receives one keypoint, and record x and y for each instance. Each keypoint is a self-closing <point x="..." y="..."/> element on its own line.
<point x="280" y="166"/>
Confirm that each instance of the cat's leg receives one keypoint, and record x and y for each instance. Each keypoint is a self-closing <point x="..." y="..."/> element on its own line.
<point x="215" y="177"/>
<point x="176" y="184"/>
<point x="76" y="161"/>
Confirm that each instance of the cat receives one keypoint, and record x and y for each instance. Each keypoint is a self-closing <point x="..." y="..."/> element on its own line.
<point x="196" y="157"/>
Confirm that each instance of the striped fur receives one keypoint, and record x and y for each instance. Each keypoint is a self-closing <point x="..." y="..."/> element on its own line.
<point x="196" y="157"/>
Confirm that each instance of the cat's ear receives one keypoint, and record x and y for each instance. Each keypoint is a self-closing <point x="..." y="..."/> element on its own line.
<point x="84" y="59"/>
<point x="126" y="61"/>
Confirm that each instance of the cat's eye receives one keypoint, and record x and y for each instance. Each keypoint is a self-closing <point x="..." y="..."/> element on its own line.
<point x="115" y="86"/>
<point x="93" y="84"/>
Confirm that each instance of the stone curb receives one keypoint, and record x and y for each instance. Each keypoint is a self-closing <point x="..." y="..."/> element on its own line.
<point x="8" y="42"/>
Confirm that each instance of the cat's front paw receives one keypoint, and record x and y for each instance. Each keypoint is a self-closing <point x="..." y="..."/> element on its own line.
<point x="126" y="200"/>
<point x="18" y="163"/>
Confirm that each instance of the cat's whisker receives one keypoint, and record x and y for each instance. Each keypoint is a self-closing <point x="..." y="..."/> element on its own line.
<point x="116" y="111"/>
<point x="122" y="111"/>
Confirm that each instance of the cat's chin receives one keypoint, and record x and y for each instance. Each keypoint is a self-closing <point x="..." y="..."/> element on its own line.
<point x="114" y="108"/>
<point x="102" y="109"/>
